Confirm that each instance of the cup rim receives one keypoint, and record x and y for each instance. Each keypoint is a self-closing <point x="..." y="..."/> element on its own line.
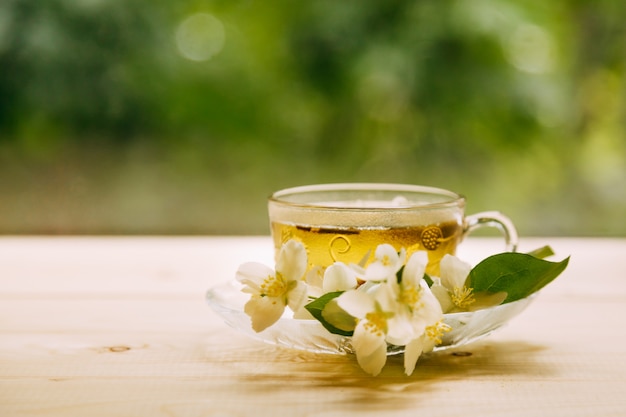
<point x="455" y="199"/>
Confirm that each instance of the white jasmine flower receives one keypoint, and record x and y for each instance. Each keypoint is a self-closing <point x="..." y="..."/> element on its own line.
<point x="271" y="291"/>
<point x="415" y="305"/>
<point x="417" y="310"/>
<point x="423" y="344"/>
<point x="453" y="294"/>
<point x="399" y="312"/>
<point x="368" y="339"/>
<point x="387" y="261"/>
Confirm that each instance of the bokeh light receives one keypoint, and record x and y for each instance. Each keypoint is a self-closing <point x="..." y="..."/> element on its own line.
<point x="530" y="48"/>
<point x="200" y="37"/>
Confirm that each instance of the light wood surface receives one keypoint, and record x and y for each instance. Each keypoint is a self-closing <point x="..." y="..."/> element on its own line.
<point x="107" y="326"/>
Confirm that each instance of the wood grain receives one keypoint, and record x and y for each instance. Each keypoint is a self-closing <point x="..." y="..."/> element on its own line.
<point x="119" y="327"/>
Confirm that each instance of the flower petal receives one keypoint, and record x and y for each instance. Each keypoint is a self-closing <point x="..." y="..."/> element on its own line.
<point x="386" y="251"/>
<point x="358" y="270"/>
<point x="370" y="348"/>
<point x="303" y="314"/>
<point x="485" y="300"/>
<point x="297" y="296"/>
<point x="377" y="271"/>
<point x="253" y="274"/>
<point x="338" y="277"/>
<point x="428" y="344"/>
<point x="367" y="338"/>
<point x="356" y="303"/>
<point x="386" y="295"/>
<point x="443" y="296"/>
<point x="412" y="352"/>
<point x="386" y="263"/>
<point x="454" y="272"/>
<point x="400" y="329"/>
<point x="314" y="292"/>
<point x="373" y="363"/>
<point x="431" y="303"/>
<point x="264" y="311"/>
<point x="406" y="325"/>
<point x="315" y="276"/>
<point x="292" y="260"/>
<point x="415" y="267"/>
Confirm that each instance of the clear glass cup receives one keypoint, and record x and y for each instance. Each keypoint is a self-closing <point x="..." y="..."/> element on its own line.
<point x="346" y="222"/>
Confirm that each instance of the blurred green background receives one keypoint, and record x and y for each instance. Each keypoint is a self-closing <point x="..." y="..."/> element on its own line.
<point x="181" y="117"/>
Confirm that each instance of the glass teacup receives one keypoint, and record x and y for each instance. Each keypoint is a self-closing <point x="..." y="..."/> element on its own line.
<point x="346" y="222"/>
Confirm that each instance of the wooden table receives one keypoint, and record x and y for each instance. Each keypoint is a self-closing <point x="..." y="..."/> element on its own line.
<point x="109" y="326"/>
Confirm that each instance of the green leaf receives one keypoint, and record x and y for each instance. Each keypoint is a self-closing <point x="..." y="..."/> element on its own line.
<point x="428" y="280"/>
<point x="399" y="274"/>
<point x="517" y="274"/>
<point x="316" y="308"/>
<point x="542" y="252"/>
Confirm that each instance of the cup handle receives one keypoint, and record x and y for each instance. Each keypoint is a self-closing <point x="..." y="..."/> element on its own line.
<point x="493" y="219"/>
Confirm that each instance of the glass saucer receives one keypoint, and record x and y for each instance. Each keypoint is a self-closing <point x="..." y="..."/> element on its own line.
<point x="228" y="301"/>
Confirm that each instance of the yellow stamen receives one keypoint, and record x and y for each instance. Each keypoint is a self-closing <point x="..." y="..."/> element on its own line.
<point x="411" y="296"/>
<point x="273" y="286"/>
<point x="463" y="297"/>
<point x="376" y="323"/>
<point x="436" y="331"/>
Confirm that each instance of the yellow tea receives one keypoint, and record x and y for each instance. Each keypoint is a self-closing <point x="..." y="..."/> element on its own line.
<point x="326" y="245"/>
